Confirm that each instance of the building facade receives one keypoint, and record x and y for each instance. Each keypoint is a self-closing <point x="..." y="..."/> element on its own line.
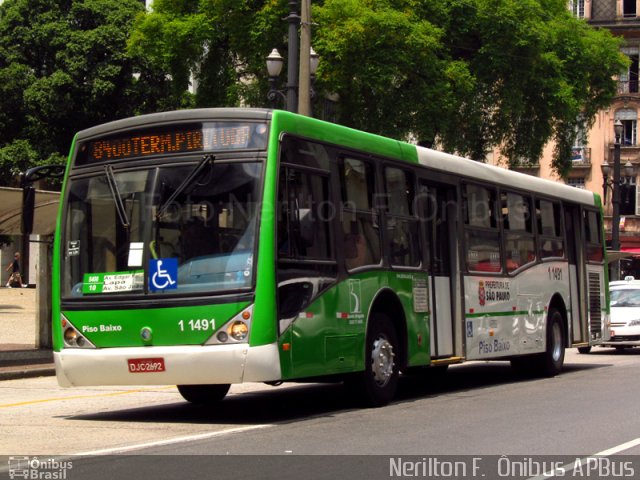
<point x="622" y="18"/>
<point x="595" y="148"/>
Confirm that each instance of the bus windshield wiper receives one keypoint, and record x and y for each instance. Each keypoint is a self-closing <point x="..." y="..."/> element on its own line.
<point x="195" y="173"/>
<point x="117" y="198"/>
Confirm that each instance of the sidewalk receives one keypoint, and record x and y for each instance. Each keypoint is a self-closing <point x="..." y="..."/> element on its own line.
<point x="19" y="357"/>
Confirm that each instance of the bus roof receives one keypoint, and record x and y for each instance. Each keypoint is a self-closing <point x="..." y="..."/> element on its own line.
<point x="195" y="115"/>
<point x="473" y="170"/>
<point x="439" y="161"/>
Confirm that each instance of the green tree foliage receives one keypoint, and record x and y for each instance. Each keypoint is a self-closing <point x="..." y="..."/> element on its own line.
<point x="63" y="67"/>
<point x="220" y="43"/>
<point x="470" y="74"/>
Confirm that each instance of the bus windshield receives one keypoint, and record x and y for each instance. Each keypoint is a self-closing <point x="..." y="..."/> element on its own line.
<point x="195" y="224"/>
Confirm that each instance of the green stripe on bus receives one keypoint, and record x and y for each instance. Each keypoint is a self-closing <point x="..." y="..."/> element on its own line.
<point x="502" y="314"/>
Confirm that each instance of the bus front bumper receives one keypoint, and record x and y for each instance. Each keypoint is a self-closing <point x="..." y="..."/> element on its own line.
<point x="180" y="365"/>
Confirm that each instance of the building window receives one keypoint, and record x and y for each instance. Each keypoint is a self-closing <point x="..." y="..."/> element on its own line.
<point x="576" y="182"/>
<point x="629" y="119"/>
<point x="580" y="153"/>
<point x="628" y="196"/>
<point x="577" y="8"/>
<point x="629" y="8"/>
<point x="628" y="81"/>
<point x="629" y="134"/>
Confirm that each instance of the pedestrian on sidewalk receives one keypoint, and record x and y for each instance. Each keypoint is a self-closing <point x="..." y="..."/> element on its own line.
<point x="15" y="279"/>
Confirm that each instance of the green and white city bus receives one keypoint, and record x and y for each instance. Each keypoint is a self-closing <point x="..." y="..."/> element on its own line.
<point x="203" y="248"/>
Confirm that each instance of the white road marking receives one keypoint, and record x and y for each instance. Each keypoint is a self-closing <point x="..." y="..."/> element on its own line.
<point x="170" y="441"/>
<point x="579" y="462"/>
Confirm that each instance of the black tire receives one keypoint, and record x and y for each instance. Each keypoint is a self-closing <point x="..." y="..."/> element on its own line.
<point x="376" y="386"/>
<point x="203" y="394"/>
<point x="584" y="350"/>
<point x="550" y="362"/>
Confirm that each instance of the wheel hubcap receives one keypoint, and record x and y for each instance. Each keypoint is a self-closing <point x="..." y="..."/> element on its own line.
<point x="382" y="361"/>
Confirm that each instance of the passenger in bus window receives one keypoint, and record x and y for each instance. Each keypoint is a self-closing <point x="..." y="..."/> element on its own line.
<point x="356" y="252"/>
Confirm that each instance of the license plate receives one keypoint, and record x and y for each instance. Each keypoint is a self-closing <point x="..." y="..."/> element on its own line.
<point x="146" y="365"/>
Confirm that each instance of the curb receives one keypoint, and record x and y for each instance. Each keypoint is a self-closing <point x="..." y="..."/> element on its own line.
<point x="17" y="373"/>
<point x="25" y="357"/>
<point x="26" y="363"/>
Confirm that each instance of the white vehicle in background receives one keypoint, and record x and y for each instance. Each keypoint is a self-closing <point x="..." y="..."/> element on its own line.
<point x="625" y="314"/>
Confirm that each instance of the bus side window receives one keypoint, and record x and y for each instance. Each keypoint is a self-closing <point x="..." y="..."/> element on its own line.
<point x="360" y="226"/>
<point x="303" y="225"/>
<point x="549" y="229"/>
<point x="482" y="236"/>
<point x="518" y="230"/>
<point x="303" y="239"/>
<point x="402" y="225"/>
<point x="593" y="236"/>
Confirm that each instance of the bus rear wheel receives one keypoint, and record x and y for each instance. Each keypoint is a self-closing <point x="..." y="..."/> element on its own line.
<point x="376" y="386"/>
<point x="203" y="394"/>
<point x="550" y="362"/>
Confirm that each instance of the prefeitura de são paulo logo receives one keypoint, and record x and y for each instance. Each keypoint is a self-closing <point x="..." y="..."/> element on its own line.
<point x="481" y="294"/>
<point x="38" y="468"/>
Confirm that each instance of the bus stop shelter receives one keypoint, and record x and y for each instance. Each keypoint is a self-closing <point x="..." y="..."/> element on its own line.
<point x="44" y="224"/>
<point x="45" y="211"/>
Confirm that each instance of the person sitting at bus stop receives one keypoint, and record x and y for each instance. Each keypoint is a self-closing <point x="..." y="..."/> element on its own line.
<point x="15" y="279"/>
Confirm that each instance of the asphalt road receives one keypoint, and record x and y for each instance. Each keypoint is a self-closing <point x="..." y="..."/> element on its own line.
<point x="477" y="410"/>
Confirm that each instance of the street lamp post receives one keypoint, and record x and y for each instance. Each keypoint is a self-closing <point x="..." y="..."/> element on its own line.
<point x="274" y="68"/>
<point x="293" y="51"/>
<point x="291" y="92"/>
<point x="615" y="216"/>
<point x="275" y="61"/>
<point x="615" y="185"/>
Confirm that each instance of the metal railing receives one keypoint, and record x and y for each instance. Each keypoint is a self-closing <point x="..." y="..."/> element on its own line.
<point x="581" y="156"/>
<point x="628" y="86"/>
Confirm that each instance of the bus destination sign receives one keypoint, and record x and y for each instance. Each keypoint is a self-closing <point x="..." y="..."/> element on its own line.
<point x="200" y="138"/>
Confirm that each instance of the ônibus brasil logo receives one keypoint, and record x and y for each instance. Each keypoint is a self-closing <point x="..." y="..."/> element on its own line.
<point x="38" y="469"/>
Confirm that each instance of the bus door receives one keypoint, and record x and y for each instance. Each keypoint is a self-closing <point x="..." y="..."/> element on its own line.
<point x="439" y="225"/>
<point x="573" y="230"/>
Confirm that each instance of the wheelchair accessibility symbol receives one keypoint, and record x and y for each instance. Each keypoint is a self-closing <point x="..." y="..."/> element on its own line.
<point x="163" y="274"/>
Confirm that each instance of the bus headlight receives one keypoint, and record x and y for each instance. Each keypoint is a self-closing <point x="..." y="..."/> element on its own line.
<point x="236" y="330"/>
<point x="72" y="337"/>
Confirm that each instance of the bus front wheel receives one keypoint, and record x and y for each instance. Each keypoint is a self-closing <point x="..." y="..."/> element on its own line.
<point x="203" y="394"/>
<point x="377" y="385"/>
